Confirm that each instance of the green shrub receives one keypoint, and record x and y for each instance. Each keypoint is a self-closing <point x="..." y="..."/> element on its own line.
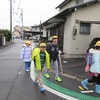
<point x="6" y="33"/>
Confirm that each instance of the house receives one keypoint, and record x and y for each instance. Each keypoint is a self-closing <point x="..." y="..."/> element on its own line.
<point x="21" y="31"/>
<point x="17" y="32"/>
<point x="36" y="30"/>
<point x="76" y="24"/>
<point x="27" y="32"/>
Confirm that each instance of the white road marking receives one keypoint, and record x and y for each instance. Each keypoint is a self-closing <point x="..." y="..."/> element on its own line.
<point x="48" y="88"/>
<point x="59" y="93"/>
<point x="88" y="91"/>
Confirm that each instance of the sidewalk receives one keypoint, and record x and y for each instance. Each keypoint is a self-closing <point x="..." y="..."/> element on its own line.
<point x="4" y="46"/>
<point x="73" y="74"/>
<point x="15" y="83"/>
<point x="69" y="86"/>
<point x="75" y="67"/>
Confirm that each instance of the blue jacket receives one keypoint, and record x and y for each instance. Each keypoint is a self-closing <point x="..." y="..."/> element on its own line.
<point x="95" y="67"/>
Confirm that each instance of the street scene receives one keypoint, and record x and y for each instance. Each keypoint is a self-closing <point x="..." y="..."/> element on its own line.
<point x="16" y="83"/>
<point x="51" y="58"/>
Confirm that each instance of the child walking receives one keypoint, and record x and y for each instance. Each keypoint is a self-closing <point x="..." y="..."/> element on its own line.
<point x="94" y="69"/>
<point x="26" y="55"/>
<point x="53" y="50"/>
<point x="40" y="57"/>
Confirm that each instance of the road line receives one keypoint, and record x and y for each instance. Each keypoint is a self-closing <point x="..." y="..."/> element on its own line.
<point x="61" y="91"/>
<point x="48" y="88"/>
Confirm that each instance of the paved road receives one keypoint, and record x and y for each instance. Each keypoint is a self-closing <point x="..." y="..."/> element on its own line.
<point x="15" y="83"/>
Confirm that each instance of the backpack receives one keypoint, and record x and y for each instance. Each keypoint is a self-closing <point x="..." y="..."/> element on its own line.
<point x="89" y="58"/>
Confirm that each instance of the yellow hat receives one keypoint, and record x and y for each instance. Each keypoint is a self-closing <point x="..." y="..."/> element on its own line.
<point x="28" y="42"/>
<point x="98" y="43"/>
<point x="42" y="45"/>
<point x="54" y="37"/>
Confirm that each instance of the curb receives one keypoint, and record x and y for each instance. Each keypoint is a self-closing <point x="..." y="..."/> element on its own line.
<point x="3" y="48"/>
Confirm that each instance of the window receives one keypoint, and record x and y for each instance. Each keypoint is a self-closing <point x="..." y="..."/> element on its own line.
<point x="85" y="28"/>
<point x="53" y="31"/>
<point x="78" y="1"/>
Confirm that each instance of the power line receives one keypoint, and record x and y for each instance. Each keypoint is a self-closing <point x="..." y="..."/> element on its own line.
<point x="18" y="6"/>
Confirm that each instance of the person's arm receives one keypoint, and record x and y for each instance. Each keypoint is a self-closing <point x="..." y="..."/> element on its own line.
<point x="47" y="60"/>
<point x="93" y="51"/>
<point x="48" y="49"/>
<point x="33" y="55"/>
<point x="22" y="53"/>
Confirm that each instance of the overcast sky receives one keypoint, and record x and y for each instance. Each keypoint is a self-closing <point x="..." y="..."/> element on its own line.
<point x="33" y="11"/>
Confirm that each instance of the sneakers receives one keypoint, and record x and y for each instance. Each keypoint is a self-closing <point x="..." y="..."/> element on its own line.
<point x="47" y="76"/>
<point x="85" y="83"/>
<point x="36" y="83"/>
<point x="27" y="70"/>
<point x="42" y="89"/>
<point x="58" y="79"/>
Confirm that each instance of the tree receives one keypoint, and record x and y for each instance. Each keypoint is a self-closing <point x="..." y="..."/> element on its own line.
<point x="6" y="33"/>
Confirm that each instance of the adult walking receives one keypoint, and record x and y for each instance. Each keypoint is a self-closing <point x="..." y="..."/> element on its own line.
<point x="53" y="50"/>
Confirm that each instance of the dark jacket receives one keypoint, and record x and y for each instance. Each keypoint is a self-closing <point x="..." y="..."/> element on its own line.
<point x="53" y="51"/>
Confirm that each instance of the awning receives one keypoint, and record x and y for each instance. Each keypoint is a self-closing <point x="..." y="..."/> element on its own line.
<point x="55" y="20"/>
<point x="50" y="25"/>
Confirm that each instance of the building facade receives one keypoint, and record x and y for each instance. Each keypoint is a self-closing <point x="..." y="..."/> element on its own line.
<point x="76" y="24"/>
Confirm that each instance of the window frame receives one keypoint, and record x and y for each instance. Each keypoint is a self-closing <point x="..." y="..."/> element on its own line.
<point x="85" y="28"/>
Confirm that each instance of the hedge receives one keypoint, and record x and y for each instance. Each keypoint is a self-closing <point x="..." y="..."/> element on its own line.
<point x="6" y="33"/>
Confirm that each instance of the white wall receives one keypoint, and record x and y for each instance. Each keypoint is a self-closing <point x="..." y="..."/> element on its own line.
<point x="70" y="4"/>
<point x="87" y="0"/>
<point x="90" y="13"/>
<point x="36" y="29"/>
<point x="67" y="35"/>
<point x="44" y="32"/>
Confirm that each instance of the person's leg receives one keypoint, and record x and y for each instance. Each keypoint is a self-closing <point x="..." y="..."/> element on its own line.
<point x="97" y="90"/>
<point x="36" y="80"/>
<point x="36" y="76"/>
<point x="92" y="80"/>
<point x="39" y="77"/>
<point x="46" y="72"/>
<point x="56" y="67"/>
<point x="57" y="78"/>
<point x="29" y="63"/>
<point x="26" y="66"/>
<point x="87" y="81"/>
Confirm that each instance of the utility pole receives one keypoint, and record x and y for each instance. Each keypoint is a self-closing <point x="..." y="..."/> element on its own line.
<point x="11" y="17"/>
<point x="21" y="15"/>
<point x="40" y="29"/>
